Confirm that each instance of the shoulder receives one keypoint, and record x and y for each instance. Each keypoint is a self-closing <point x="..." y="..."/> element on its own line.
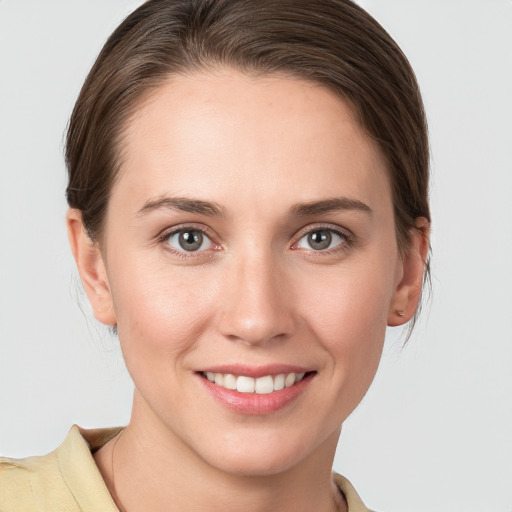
<point x="66" y="479"/>
<point x="27" y="483"/>
<point x="354" y="502"/>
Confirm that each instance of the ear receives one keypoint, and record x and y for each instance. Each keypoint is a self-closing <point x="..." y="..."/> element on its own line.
<point x="411" y="270"/>
<point x="91" y="267"/>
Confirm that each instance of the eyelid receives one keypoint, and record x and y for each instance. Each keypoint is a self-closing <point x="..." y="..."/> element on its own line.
<point x="166" y="233"/>
<point x="345" y="233"/>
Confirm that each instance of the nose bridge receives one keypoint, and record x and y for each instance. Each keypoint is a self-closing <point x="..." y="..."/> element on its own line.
<point x="255" y="309"/>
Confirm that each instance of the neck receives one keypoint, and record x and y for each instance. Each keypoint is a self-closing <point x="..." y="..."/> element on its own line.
<point x="153" y="470"/>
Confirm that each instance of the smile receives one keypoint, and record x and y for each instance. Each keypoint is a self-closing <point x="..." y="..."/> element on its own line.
<point x="252" y="390"/>
<point x="262" y="385"/>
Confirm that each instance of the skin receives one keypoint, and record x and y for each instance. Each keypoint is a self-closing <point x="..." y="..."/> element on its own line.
<point x="259" y="294"/>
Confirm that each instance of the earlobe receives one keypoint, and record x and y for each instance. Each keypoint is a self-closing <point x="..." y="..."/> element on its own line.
<point x="91" y="267"/>
<point x="408" y="290"/>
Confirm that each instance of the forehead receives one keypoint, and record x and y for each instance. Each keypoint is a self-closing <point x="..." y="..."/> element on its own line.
<point x="227" y="133"/>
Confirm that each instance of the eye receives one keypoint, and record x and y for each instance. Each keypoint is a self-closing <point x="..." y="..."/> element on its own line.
<point x="189" y="240"/>
<point x="321" y="240"/>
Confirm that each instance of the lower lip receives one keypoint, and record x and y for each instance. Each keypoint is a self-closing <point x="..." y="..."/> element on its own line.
<point x="254" y="403"/>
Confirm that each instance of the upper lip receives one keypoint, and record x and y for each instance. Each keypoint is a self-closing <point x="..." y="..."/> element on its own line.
<point x="255" y="371"/>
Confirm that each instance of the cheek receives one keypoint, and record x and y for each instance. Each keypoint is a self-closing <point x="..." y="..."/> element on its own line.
<point x="160" y="313"/>
<point x="348" y="313"/>
<point x="352" y="303"/>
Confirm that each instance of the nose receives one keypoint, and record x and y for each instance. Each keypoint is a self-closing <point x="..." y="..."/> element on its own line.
<point x="257" y="304"/>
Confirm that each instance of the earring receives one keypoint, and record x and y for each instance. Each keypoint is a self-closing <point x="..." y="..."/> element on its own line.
<point x="399" y="312"/>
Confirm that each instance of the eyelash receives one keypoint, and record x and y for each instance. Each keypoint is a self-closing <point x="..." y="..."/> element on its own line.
<point x="347" y="240"/>
<point x="164" y="238"/>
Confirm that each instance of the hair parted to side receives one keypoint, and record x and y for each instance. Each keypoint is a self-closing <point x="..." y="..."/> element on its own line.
<point x="334" y="43"/>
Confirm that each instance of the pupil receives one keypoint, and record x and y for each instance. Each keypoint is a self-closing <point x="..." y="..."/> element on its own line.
<point x="320" y="239"/>
<point x="191" y="240"/>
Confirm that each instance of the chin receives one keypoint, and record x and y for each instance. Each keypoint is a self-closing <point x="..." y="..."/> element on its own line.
<point x="256" y="464"/>
<point x="263" y="454"/>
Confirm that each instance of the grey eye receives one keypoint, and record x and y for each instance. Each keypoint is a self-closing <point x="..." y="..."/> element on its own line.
<point x="320" y="240"/>
<point x="189" y="240"/>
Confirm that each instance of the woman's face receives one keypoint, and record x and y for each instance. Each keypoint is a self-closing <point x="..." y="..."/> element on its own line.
<point x="250" y="234"/>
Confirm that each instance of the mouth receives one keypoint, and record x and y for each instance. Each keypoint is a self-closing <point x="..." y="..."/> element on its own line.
<point x="264" y="385"/>
<point x="256" y="390"/>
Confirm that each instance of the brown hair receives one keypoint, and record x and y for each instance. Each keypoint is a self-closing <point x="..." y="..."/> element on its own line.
<point x="331" y="42"/>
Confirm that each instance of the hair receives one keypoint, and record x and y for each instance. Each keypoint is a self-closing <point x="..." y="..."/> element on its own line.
<point x="334" y="43"/>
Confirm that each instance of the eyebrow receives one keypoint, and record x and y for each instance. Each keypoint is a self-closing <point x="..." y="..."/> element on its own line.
<point x="329" y="206"/>
<point x="183" y="204"/>
<point x="211" y="209"/>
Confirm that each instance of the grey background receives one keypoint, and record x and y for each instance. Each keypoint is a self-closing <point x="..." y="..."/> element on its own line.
<point x="434" y="432"/>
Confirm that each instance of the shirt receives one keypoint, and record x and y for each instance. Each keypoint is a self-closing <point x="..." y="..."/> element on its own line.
<point x="68" y="480"/>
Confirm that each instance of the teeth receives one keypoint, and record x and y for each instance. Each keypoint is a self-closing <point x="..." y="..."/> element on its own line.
<point x="229" y="381"/>
<point x="245" y="384"/>
<point x="278" y="382"/>
<point x="264" y="385"/>
<point x="289" y="380"/>
<point x="261" y="386"/>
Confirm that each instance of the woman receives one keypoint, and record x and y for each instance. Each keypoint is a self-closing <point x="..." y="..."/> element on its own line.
<point x="248" y="211"/>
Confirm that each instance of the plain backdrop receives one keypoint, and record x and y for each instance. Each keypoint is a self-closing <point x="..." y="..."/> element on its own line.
<point x="434" y="433"/>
